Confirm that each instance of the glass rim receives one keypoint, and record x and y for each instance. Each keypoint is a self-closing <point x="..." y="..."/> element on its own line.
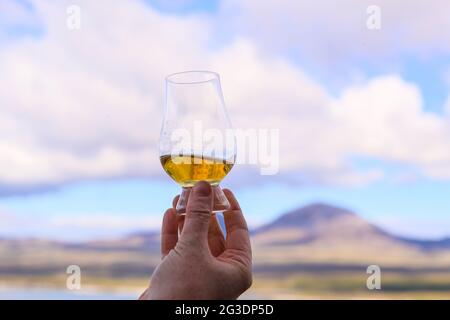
<point x="171" y="78"/>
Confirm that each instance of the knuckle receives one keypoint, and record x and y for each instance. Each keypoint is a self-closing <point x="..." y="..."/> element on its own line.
<point x="201" y="211"/>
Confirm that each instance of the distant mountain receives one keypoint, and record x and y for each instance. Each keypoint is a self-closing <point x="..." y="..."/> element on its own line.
<point x="317" y="234"/>
<point x="319" y="248"/>
<point x="316" y="222"/>
<point x="321" y="232"/>
<point x="310" y="216"/>
<point x="312" y="224"/>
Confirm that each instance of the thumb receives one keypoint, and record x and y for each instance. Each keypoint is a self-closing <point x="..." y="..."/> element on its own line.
<point x="198" y="213"/>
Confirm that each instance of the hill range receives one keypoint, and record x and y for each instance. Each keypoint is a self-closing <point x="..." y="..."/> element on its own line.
<point x="318" y="242"/>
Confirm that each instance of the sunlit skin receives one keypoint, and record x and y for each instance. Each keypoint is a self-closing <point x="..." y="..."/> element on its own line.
<point x="200" y="263"/>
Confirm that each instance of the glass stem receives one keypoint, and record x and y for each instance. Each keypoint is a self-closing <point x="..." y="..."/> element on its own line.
<point x="220" y="201"/>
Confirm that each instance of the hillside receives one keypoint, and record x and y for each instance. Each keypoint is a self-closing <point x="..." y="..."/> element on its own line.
<point x="328" y="234"/>
<point x="317" y="248"/>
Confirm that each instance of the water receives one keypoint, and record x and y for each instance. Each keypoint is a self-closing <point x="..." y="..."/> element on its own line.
<point x="54" y="294"/>
<point x="11" y="293"/>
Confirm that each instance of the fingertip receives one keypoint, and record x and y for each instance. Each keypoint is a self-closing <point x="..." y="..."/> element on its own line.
<point x="202" y="188"/>
<point x="232" y="199"/>
<point x="169" y="232"/>
<point x="175" y="201"/>
<point x="169" y="218"/>
<point x="234" y="218"/>
<point x="169" y="212"/>
<point x="200" y="198"/>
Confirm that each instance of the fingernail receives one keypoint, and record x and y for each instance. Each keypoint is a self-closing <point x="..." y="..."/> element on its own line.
<point x="202" y="188"/>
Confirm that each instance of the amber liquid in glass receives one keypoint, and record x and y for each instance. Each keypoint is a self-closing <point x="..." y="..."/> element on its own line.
<point x="187" y="170"/>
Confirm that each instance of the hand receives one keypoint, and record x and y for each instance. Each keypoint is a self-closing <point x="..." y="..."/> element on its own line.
<point x="200" y="263"/>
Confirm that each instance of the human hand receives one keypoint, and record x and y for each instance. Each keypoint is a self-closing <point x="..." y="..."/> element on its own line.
<point x="201" y="263"/>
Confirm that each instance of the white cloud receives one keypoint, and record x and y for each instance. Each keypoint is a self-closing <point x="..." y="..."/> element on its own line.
<point x="88" y="103"/>
<point x="384" y="118"/>
<point x="335" y="32"/>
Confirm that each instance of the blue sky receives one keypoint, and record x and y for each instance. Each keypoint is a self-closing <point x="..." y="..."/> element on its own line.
<point x="82" y="115"/>
<point x="400" y="208"/>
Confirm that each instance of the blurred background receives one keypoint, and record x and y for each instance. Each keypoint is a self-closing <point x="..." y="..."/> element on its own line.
<point x="359" y="93"/>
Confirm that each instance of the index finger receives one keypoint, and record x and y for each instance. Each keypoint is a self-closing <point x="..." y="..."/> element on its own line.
<point x="237" y="237"/>
<point x="169" y="232"/>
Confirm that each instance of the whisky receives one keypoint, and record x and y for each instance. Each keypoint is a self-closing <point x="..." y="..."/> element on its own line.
<point x="187" y="170"/>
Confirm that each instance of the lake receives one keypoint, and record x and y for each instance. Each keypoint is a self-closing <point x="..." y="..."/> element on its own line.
<point x="53" y="294"/>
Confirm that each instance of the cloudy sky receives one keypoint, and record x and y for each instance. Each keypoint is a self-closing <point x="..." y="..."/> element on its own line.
<point x="364" y="115"/>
